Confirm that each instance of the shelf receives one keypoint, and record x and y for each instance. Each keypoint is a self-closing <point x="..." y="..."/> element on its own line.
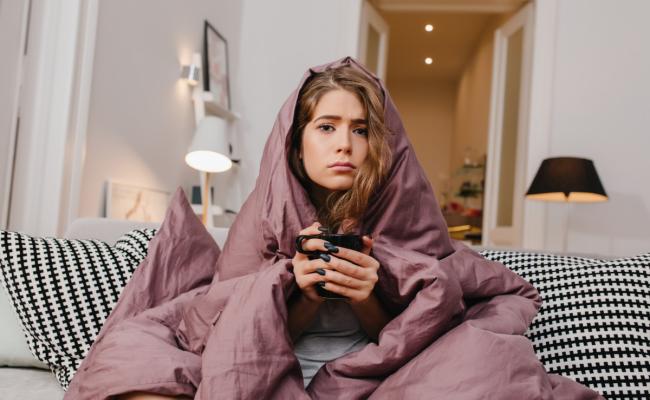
<point x="216" y="109"/>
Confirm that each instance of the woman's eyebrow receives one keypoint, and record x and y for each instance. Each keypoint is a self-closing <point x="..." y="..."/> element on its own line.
<point x="338" y="118"/>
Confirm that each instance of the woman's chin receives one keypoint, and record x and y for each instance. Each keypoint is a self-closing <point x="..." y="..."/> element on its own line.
<point x="338" y="186"/>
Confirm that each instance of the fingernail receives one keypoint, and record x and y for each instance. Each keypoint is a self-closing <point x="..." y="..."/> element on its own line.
<point x="331" y="248"/>
<point x="321" y="284"/>
<point x="323" y="229"/>
<point x="320" y="271"/>
<point x="325" y="257"/>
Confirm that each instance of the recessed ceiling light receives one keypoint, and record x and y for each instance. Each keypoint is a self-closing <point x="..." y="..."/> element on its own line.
<point x="428" y="27"/>
<point x="428" y="60"/>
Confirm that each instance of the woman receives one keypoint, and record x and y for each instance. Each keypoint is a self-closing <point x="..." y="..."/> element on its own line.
<point x="425" y="317"/>
<point x="338" y="119"/>
<point x="339" y="152"/>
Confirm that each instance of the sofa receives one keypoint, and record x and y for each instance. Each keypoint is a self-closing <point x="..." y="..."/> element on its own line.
<point x="23" y="377"/>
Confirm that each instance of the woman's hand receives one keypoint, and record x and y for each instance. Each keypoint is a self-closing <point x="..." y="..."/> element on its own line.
<point x="304" y="269"/>
<point x="351" y="273"/>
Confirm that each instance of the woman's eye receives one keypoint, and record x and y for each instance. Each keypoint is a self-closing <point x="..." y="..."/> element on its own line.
<point x="326" y="128"/>
<point x="361" y="131"/>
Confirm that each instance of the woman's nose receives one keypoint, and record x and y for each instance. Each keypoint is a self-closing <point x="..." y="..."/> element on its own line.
<point x="344" y="141"/>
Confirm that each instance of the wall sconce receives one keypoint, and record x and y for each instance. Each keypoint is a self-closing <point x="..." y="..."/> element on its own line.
<point x="192" y="72"/>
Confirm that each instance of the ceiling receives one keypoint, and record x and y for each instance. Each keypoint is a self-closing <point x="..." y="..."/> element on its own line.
<point x="458" y="28"/>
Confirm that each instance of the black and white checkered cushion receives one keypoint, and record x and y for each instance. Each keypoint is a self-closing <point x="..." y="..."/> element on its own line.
<point x="63" y="290"/>
<point x="594" y="324"/>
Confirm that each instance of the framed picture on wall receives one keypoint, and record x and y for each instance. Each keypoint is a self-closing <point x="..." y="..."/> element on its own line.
<point x="135" y="203"/>
<point x="215" y="66"/>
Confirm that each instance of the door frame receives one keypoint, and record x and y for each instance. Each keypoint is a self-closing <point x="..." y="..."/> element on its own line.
<point x="537" y="127"/>
<point x="14" y="24"/>
<point x="492" y="233"/>
<point x="371" y="17"/>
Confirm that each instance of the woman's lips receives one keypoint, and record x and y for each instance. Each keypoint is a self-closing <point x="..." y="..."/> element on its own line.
<point x="342" y="168"/>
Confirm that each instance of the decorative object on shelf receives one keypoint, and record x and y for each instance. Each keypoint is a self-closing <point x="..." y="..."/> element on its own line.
<point x="567" y="179"/>
<point x="197" y="197"/>
<point x="197" y="207"/>
<point x="135" y="203"/>
<point x="209" y="153"/>
<point x="469" y="157"/>
<point x="215" y="66"/>
<point x="465" y="220"/>
<point x="472" y="174"/>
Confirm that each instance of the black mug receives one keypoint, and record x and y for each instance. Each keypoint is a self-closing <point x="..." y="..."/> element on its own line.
<point x="348" y="241"/>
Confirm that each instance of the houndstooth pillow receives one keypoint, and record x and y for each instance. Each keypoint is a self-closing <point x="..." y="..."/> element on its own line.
<point x="594" y="323"/>
<point x="63" y="290"/>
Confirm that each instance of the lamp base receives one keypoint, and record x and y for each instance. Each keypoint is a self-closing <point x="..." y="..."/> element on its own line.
<point x="206" y="217"/>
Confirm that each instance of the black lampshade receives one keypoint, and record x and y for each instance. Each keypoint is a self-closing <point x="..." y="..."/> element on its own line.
<point x="567" y="179"/>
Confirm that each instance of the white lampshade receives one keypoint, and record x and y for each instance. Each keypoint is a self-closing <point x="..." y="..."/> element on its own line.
<point x="209" y="149"/>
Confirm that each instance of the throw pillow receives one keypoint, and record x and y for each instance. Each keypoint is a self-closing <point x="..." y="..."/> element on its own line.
<point x="594" y="323"/>
<point x="63" y="290"/>
<point x="180" y="263"/>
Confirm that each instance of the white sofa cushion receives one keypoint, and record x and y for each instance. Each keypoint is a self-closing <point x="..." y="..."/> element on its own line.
<point x="13" y="347"/>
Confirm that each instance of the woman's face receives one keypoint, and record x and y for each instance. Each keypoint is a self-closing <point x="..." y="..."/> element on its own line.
<point x="337" y="133"/>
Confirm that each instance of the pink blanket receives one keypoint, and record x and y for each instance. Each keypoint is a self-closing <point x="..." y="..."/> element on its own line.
<point x="458" y="318"/>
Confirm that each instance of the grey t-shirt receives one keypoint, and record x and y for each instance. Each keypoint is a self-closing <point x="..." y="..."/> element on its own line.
<point x="335" y="331"/>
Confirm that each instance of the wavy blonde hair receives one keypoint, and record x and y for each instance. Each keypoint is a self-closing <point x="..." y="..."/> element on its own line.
<point x="344" y="208"/>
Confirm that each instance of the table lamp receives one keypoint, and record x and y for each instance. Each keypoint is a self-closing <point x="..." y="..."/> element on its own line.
<point x="567" y="179"/>
<point x="207" y="154"/>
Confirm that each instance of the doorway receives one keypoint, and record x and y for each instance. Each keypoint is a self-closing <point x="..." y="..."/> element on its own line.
<point x="439" y="71"/>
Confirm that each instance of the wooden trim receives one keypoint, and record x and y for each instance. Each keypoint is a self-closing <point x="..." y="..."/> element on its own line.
<point x="460" y="8"/>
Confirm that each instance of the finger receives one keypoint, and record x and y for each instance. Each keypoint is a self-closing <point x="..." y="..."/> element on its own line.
<point x="356" y="257"/>
<point x="338" y="289"/>
<point x="312" y="279"/>
<point x="347" y="268"/>
<point x="367" y="244"/>
<point x="344" y="280"/>
<point x="311" y="229"/>
<point x="314" y="265"/>
<point x="314" y="244"/>
<point x="300" y="257"/>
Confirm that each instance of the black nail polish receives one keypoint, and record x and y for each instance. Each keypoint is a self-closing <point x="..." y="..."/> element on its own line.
<point x="325" y="257"/>
<point x="320" y="271"/>
<point x="321" y="284"/>
<point x="323" y="229"/>
<point x="331" y="248"/>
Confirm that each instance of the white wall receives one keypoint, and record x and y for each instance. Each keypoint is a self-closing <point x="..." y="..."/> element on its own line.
<point x="280" y="41"/>
<point x="601" y="110"/>
<point x="141" y="117"/>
